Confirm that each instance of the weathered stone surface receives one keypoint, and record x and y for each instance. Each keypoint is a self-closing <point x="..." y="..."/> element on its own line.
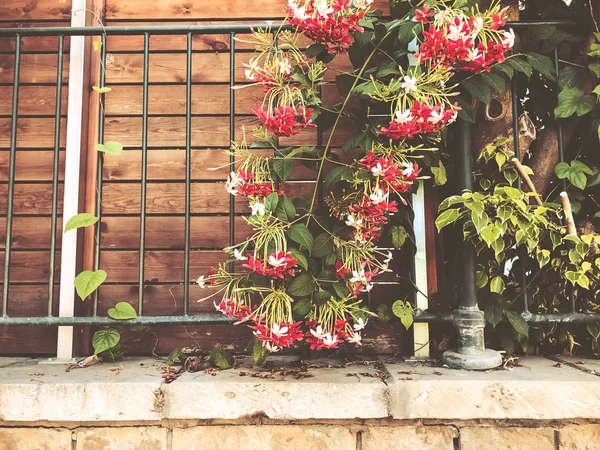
<point x="477" y="438"/>
<point x="125" y="438"/>
<point x="34" y="439"/>
<point x="537" y="390"/>
<point x="267" y="437"/>
<point x="580" y="437"/>
<point x="409" y="438"/>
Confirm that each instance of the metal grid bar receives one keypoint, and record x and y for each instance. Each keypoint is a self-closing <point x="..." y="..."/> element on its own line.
<point x="188" y="175"/>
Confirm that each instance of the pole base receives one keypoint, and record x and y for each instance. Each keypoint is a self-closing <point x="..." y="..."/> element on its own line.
<point x="488" y="359"/>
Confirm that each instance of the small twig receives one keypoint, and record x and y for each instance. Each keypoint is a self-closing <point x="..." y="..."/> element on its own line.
<point x="527" y="180"/>
<point x="571" y="63"/>
<point x="571" y="230"/>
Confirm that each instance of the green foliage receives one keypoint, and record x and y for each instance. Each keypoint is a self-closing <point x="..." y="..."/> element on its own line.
<point x="404" y="311"/>
<point x="80" y="220"/>
<point x="122" y="311"/>
<point x="88" y="281"/>
<point x="221" y="358"/>
<point x="105" y="341"/>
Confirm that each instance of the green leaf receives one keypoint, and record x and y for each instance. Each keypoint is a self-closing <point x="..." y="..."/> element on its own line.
<point x="271" y="202"/>
<point x="583" y="281"/>
<point x="478" y="89"/>
<point x="221" y="358"/>
<point x="101" y="90"/>
<point x="337" y="174"/>
<point x="176" y="356"/>
<point x="504" y="213"/>
<point x="322" y="245"/>
<point x="513" y="193"/>
<point x="88" y="281"/>
<point x="543" y="64"/>
<point x="490" y="233"/>
<point x="573" y="101"/>
<point x="571" y="77"/>
<point x="299" y="256"/>
<point x="595" y="67"/>
<point x="497" y="285"/>
<point x="283" y="168"/>
<point x="97" y="45"/>
<point x="383" y="313"/>
<point x="582" y="167"/>
<point x="301" y="286"/>
<point x="314" y="50"/>
<point x="446" y="218"/>
<point x="493" y="314"/>
<point x="562" y="170"/>
<point x="110" y="147"/>
<point x="122" y="311"/>
<point x="404" y="311"/>
<point x="340" y="289"/>
<point x="407" y="31"/>
<point x="439" y="174"/>
<point x="476" y="207"/>
<point x="300" y="234"/>
<point x="259" y="352"/>
<point x="506" y="69"/>
<point x="481" y="279"/>
<point x="577" y="179"/>
<point x="496" y="82"/>
<point x="104" y="340"/>
<point x="302" y="307"/>
<point x="399" y="235"/>
<point x="518" y="323"/>
<point x="520" y="66"/>
<point x="80" y="221"/>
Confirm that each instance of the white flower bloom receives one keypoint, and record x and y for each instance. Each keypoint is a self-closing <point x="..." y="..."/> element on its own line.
<point x="238" y="255"/>
<point x="435" y="117"/>
<point x="403" y="117"/>
<point x="318" y="332"/>
<point x="201" y="281"/>
<point x="351" y="221"/>
<point x="377" y="170"/>
<point x="455" y="32"/>
<point x="278" y="331"/>
<point x="258" y="209"/>
<point x="360" y="324"/>
<point x="358" y="237"/>
<point x="509" y="38"/>
<point x="367" y="287"/>
<point x="409" y="84"/>
<point x="409" y="168"/>
<point x="361" y="4"/>
<point x="378" y="196"/>
<point x="358" y="277"/>
<point x="251" y="67"/>
<point x="271" y="347"/>
<point x="285" y="66"/>
<point x="477" y="26"/>
<point x="443" y="17"/>
<point x="355" y="338"/>
<point x="218" y="308"/>
<point x="389" y="258"/>
<point x="329" y="340"/>
<point x="273" y="261"/>
<point x="323" y="8"/>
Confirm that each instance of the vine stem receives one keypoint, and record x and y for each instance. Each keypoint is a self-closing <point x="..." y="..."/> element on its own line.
<point x="337" y="120"/>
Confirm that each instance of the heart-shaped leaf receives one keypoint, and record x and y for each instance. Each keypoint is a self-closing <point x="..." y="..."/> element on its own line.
<point x="122" y="311"/>
<point x="110" y="147"/>
<point x="88" y="281"/>
<point x="105" y="340"/>
<point x="80" y="221"/>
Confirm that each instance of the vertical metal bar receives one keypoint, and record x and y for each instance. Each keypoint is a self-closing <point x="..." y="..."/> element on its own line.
<point x="99" y="174"/>
<point x="55" y="171"/>
<point x="144" y="174"/>
<point x="68" y="254"/>
<point x="523" y="253"/>
<point x="11" y="174"/>
<point x="232" y="133"/>
<point x="561" y="156"/>
<point x="188" y="175"/>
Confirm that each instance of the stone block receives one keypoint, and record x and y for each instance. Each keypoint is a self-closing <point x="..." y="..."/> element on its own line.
<point x="580" y="437"/>
<point x="122" y="438"/>
<point x="509" y="438"/>
<point x="409" y="438"/>
<point x="35" y="439"/>
<point x="267" y="437"/>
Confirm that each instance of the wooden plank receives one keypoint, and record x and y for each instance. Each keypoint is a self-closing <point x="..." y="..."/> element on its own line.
<point x="32" y="132"/>
<point x="35" y="68"/>
<point x="31" y="198"/>
<point x="29" y="233"/>
<point x="23" y="10"/>
<point x="31" y="165"/>
<point x="177" y="9"/>
<point x="21" y="341"/>
<point x="30" y="301"/>
<point x="34" y="43"/>
<point x="30" y="266"/>
<point x="33" y="100"/>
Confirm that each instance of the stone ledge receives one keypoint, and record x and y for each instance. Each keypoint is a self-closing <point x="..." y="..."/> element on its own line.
<point x="32" y="392"/>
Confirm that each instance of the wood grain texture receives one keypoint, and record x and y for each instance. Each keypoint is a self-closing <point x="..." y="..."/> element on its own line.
<point x="32" y="132"/>
<point x="33" y="100"/>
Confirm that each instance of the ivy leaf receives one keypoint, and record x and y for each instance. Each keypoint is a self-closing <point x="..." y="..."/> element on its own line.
<point x="88" y="281"/>
<point x="404" y="311"/>
<point x="399" y="236"/>
<point x="299" y="256"/>
<point x="322" y="245"/>
<point x="300" y="234"/>
<point x="283" y="168"/>
<point x="446" y="218"/>
<point x="101" y="90"/>
<point x="80" y="221"/>
<point x="221" y="358"/>
<point x="493" y="314"/>
<point x="573" y="101"/>
<point x="122" y="311"/>
<point x="497" y="285"/>
<point x="110" y="147"/>
<point x="490" y="233"/>
<point x="518" y="323"/>
<point x="104" y="340"/>
<point x="301" y="286"/>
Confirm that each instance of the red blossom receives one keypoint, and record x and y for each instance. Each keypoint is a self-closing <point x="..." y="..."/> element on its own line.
<point x="285" y="120"/>
<point x="278" y="265"/>
<point x="424" y="15"/>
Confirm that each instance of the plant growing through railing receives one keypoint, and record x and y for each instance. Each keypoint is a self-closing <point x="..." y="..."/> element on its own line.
<point x="304" y="271"/>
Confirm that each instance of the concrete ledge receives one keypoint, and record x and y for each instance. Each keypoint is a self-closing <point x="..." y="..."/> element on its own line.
<point x="132" y="391"/>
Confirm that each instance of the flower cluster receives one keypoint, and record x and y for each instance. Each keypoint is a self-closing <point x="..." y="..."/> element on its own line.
<point x="243" y="184"/>
<point x="233" y="309"/>
<point x="322" y="337"/>
<point x="420" y="118"/>
<point x="286" y="120"/>
<point x="464" y="43"/>
<point x="278" y="265"/>
<point x="329" y="22"/>
<point x="389" y="175"/>
<point x="278" y="335"/>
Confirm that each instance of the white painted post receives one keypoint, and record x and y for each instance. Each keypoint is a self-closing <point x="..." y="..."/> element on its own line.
<point x="68" y="255"/>
<point x="420" y="330"/>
